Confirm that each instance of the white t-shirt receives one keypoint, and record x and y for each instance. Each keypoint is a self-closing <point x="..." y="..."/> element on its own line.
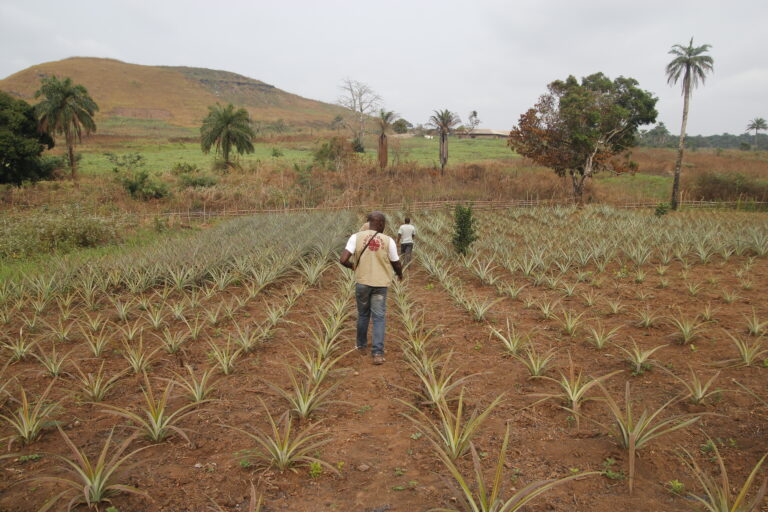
<point x="406" y="233"/>
<point x="391" y="250"/>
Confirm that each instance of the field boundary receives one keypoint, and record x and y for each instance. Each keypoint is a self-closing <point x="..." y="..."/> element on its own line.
<point x="436" y="205"/>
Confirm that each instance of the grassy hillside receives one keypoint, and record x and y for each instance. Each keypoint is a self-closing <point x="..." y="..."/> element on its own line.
<point x="167" y="98"/>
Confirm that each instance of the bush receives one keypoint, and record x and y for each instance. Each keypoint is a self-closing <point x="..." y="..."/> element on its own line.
<point x="713" y="186"/>
<point x="334" y="154"/>
<point x="32" y="234"/>
<point x="463" y="229"/>
<point x="357" y="145"/>
<point x="21" y="143"/>
<point x="662" y="209"/>
<point x="197" y="180"/>
<point x="140" y="185"/>
<point x="182" y="168"/>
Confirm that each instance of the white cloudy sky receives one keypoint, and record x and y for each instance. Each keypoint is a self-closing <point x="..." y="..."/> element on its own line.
<point x="492" y="56"/>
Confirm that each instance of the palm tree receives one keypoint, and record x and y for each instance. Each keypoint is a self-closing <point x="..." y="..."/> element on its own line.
<point x="225" y="127"/>
<point x="444" y="121"/>
<point x="757" y="124"/>
<point x="385" y="121"/>
<point x="67" y="110"/>
<point x="692" y="65"/>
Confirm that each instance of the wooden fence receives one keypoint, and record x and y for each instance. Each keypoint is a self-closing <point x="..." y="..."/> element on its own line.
<point x="205" y="214"/>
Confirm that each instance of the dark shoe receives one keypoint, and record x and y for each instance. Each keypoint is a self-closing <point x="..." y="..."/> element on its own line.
<point x="363" y="351"/>
<point x="378" y="359"/>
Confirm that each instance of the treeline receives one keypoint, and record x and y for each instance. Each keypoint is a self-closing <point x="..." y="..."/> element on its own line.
<point x="660" y="137"/>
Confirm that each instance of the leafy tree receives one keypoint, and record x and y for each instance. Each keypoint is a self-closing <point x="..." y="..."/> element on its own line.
<point x="21" y="143"/>
<point x="225" y="127"/>
<point x="578" y="129"/>
<point x="401" y="126"/>
<point x="692" y="65"/>
<point x="385" y="120"/>
<point x="66" y="109"/>
<point x="658" y="136"/>
<point x="463" y="229"/>
<point x="757" y="124"/>
<point x="444" y="121"/>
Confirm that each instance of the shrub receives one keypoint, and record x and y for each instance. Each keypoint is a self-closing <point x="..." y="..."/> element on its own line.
<point x="61" y="231"/>
<point x="357" y="145"/>
<point x="197" y="180"/>
<point x="662" y="209"/>
<point x="464" y="229"/>
<point x="712" y="186"/>
<point x="334" y="154"/>
<point x="182" y="168"/>
<point x="141" y="185"/>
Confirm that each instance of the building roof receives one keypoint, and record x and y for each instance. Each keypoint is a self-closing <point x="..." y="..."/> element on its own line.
<point x="486" y="131"/>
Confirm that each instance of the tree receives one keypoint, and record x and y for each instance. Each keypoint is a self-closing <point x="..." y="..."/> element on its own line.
<point x="385" y="120"/>
<point x="692" y="65"/>
<point x="67" y="110"/>
<point x="362" y="101"/>
<point x="401" y="126"/>
<point x="657" y="137"/>
<point x="757" y="124"/>
<point x="463" y="229"/>
<point x="225" y="127"/>
<point x="444" y="121"/>
<point x="579" y="129"/>
<point x="21" y="143"/>
<point x="337" y="122"/>
<point x="473" y="122"/>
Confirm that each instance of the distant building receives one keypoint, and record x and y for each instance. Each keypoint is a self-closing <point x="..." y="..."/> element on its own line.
<point x="483" y="133"/>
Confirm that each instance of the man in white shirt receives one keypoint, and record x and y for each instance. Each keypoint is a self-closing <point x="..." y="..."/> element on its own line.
<point x="375" y="256"/>
<point x="405" y="236"/>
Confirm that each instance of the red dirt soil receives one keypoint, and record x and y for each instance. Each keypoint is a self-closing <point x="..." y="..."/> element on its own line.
<point x="384" y="466"/>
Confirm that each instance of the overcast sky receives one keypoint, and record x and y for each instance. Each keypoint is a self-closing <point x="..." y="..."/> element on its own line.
<point x="495" y="57"/>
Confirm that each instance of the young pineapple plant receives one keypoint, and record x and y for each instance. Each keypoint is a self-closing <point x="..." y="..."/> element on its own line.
<point x="92" y="482"/>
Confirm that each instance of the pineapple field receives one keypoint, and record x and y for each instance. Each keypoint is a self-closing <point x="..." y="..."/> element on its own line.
<point x="574" y="359"/>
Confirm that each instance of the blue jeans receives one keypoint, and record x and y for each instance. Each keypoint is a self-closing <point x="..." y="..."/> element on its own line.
<point x="371" y="300"/>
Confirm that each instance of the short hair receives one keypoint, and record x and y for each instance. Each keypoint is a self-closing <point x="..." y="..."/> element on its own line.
<point x="407" y="220"/>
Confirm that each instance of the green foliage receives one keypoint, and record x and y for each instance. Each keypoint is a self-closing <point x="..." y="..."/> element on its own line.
<point x="277" y="153"/>
<point x="335" y="153"/>
<point x="197" y="180"/>
<point x="401" y="126"/>
<point x="661" y="209"/>
<point x="126" y="162"/>
<point x="62" y="231"/>
<point x="141" y="185"/>
<point x="463" y="229"/>
<point x="225" y="128"/>
<point x="357" y="145"/>
<point x="21" y="144"/>
<point x="66" y="109"/>
<point x="577" y="128"/>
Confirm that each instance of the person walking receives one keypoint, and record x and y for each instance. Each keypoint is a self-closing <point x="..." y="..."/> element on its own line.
<point x="405" y="235"/>
<point x="373" y="257"/>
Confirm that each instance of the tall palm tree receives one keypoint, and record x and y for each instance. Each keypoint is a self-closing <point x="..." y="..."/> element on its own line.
<point x="757" y="124"/>
<point x="444" y="121"/>
<point x="225" y="127"/>
<point x="692" y="65"/>
<point x="68" y="110"/>
<point x="385" y="120"/>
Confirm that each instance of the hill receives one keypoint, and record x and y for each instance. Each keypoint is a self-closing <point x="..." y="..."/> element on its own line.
<point x="132" y="96"/>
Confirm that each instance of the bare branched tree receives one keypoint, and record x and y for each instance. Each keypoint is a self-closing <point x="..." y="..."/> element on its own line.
<point x="362" y="101"/>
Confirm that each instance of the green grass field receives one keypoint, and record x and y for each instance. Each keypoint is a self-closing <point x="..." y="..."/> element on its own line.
<point x="162" y="155"/>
